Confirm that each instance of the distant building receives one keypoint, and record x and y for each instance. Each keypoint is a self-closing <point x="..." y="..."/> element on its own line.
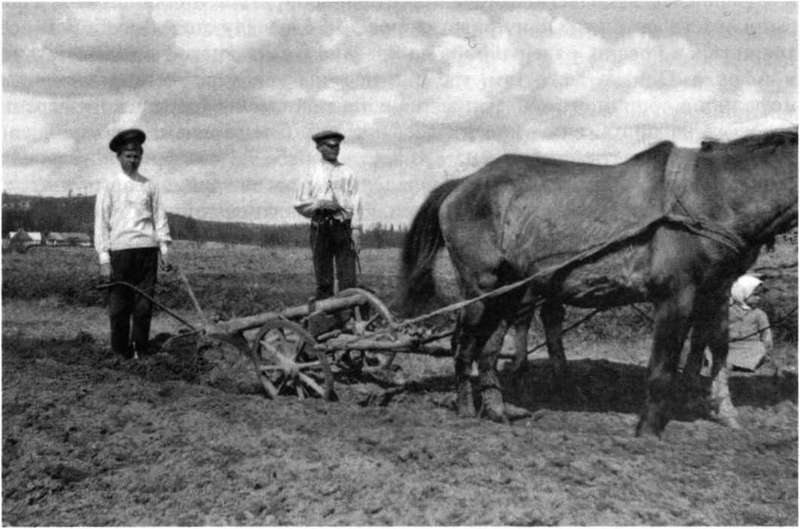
<point x="21" y="240"/>
<point x="30" y="238"/>
<point x="78" y="239"/>
<point x="55" y="239"/>
<point x="68" y="239"/>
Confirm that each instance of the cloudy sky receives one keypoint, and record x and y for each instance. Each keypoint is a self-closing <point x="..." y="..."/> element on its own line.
<point x="230" y="93"/>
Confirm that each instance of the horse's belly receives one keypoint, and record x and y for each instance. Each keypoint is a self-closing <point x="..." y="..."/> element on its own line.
<point x="618" y="279"/>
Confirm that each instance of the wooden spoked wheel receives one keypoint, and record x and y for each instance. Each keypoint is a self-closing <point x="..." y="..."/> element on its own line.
<point x="371" y="319"/>
<point x="288" y="364"/>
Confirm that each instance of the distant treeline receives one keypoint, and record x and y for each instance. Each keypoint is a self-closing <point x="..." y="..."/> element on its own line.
<point x="76" y="214"/>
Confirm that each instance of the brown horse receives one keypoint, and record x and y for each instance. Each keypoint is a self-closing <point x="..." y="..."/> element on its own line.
<point x="600" y="236"/>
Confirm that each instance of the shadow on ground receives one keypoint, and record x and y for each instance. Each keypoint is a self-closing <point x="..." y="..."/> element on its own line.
<point x="599" y="385"/>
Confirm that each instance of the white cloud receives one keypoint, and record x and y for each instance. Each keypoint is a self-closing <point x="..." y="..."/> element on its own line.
<point x="475" y="71"/>
<point x="42" y="63"/>
<point x="587" y="67"/>
<point x="97" y="17"/>
<point x="730" y="129"/>
<point x="643" y="105"/>
<point x="334" y="93"/>
<point x="254" y="80"/>
<point x="28" y="130"/>
<point x="571" y="47"/>
<point x="33" y="179"/>
<point x="749" y="100"/>
<point x="24" y="118"/>
<point x="460" y="158"/>
<point x="288" y="92"/>
<point x="54" y="146"/>
<point x="131" y="114"/>
<point x="208" y="27"/>
<point x="590" y="148"/>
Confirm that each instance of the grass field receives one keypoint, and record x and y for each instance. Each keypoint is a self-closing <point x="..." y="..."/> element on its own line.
<point x="236" y="280"/>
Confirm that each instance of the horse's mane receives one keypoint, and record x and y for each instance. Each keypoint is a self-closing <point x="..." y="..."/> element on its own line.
<point x="749" y="144"/>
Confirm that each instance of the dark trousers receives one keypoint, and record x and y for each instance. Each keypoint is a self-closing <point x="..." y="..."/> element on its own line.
<point x="139" y="267"/>
<point x="331" y="242"/>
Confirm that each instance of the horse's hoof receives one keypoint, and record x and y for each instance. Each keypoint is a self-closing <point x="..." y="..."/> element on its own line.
<point x="727" y="421"/>
<point x="465" y="404"/>
<point x="492" y="405"/>
<point x="514" y="413"/>
<point x="494" y="414"/>
<point x="647" y="430"/>
<point x="465" y="408"/>
<point x="466" y="413"/>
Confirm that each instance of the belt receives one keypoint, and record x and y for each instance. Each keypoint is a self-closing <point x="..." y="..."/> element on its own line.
<point x="328" y="220"/>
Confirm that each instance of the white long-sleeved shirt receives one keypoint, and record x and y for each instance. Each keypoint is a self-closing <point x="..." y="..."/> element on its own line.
<point x="128" y="214"/>
<point x="335" y="183"/>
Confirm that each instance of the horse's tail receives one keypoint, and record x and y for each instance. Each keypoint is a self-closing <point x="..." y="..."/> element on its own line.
<point x="422" y="242"/>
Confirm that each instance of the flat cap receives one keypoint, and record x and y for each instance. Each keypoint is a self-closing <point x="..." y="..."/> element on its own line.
<point x="125" y="137"/>
<point x="327" y="134"/>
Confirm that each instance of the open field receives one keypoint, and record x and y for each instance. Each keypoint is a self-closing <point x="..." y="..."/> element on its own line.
<point x="236" y="280"/>
<point x="92" y="440"/>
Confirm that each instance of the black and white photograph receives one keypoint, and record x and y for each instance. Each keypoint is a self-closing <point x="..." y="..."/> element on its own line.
<point x="399" y="263"/>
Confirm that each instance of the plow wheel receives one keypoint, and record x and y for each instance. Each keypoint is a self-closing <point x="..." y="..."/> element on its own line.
<point x="288" y="364"/>
<point x="371" y="319"/>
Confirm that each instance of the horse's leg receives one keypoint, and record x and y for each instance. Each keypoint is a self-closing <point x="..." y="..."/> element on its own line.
<point x="522" y="326"/>
<point x="552" y="316"/>
<point x="692" y="381"/>
<point x="488" y="380"/>
<point x="490" y="331"/>
<point x="492" y="405"/>
<point x="698" y="343"/>
<point x="671" y="327"/>
<point x="464" y="346"/>
<point x="693" y="387"/>
<point x="479" y="327"/>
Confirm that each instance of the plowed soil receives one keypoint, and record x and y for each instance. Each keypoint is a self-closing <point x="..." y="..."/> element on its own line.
<point x="92" y="440"/>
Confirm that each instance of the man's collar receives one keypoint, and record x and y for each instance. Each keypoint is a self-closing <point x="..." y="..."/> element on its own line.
<point x="136" y="177"/>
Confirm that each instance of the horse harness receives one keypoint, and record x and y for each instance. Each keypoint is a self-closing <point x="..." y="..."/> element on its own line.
<point x="679" y="168"/>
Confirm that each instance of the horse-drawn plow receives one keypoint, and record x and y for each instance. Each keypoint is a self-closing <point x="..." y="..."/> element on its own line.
<point x="298" y="350"/>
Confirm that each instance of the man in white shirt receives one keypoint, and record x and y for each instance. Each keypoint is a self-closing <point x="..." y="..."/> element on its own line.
<point x="130" y="232"/>
<point x="329" y="196"/>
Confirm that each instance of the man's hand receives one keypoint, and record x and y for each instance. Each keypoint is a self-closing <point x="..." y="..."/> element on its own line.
<point x="164" y="264"/>
<point x="105" y="271"/>
<point x="355" y="235"/>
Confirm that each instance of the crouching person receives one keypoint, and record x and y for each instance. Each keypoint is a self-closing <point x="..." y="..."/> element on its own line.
<point x="130" y="233"/>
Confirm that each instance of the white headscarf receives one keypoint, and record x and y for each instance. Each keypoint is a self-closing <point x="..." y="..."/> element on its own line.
<point x="743" y="288"/>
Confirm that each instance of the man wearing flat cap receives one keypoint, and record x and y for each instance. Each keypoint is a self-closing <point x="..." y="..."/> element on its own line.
<point x="130" y="233"/>
<point x="329" y="196"/>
